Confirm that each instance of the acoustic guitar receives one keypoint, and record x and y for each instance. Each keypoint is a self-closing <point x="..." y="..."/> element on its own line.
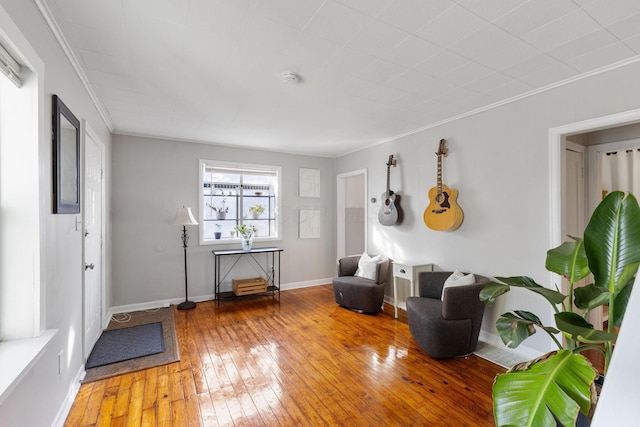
<point x="389" y="213"/>
<point x="443" y="212"/>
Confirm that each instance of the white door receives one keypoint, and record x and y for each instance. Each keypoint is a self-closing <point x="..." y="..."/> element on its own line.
<point x="574" y="202"/>
<point x="93" y="251"/>
<point x="574" y="199"/>
<point x="352" y="213"/>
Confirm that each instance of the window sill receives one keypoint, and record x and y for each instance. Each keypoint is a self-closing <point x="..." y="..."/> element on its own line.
<point x="239" y="241"/>
<point x="17" y="357"/>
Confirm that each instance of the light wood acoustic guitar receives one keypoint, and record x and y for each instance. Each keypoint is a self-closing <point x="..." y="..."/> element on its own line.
<point x="389" y="212"/>
<point x="443" y="212"/>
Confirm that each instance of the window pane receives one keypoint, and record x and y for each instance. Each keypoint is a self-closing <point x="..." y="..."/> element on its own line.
<point x="237" y="195"/>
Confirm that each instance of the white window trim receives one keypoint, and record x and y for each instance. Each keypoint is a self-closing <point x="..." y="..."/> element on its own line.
<point x="237" y="165"/>
<point x="18" y="356"/>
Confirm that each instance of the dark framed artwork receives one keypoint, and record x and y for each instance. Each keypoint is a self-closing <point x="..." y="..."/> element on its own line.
<point x="66" y="159"/>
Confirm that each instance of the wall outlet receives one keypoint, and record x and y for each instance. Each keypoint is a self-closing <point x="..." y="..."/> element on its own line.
<point x="60" y="362"/>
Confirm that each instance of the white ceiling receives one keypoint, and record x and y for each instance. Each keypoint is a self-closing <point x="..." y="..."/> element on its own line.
<point x="372" y="70"/>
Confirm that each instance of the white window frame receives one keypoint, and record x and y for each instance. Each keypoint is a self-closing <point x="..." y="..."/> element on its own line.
<point x="203" y="164"/>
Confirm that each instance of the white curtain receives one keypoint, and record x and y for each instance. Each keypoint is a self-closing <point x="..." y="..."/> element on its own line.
<point x="620" y="171"/>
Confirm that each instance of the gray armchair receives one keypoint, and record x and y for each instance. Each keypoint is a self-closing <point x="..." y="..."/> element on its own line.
<point x="449" y="327"/>
<point x="359" y="293"/>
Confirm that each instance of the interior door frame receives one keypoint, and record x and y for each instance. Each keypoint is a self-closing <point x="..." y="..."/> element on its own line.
<point x="88" y="132"/>
<point x="340" y="206"/>
<point x="557" y="174"/>
<point x="557" y="147"/>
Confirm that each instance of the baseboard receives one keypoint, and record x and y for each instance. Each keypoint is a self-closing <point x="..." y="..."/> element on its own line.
<point x="522" y="350"/>
<point x="150" y="305"/>
<point x="74" y="387"/>
<point x="306" y="284"/>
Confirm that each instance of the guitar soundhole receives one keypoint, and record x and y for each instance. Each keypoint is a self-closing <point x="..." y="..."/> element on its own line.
<point x="443" y="200"/>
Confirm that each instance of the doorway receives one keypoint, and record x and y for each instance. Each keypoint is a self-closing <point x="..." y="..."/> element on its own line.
<point x="352" y="213"/>
<point x="94" y="280"/>
<point x="568" y="148"/>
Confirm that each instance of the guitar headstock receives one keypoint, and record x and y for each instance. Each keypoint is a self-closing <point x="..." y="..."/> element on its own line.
<point x="442" y="148"/>
<point x="392" y="161"/>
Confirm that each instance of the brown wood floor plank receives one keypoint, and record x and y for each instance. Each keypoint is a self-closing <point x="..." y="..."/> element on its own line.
<point x="301" y="361"/>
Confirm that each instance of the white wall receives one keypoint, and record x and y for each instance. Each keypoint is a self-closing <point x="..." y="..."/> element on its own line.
<point x="499" y="161"/>
<point x="153" y="177"/>
<point x="38" y="397"/>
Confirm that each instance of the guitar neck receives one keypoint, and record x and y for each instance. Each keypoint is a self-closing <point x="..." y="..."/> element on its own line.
<point x="388" y="175"/>
<point x="439" y="181"/>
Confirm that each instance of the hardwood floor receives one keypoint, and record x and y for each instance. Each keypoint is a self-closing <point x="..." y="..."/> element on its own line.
<point x="304" y="361"/>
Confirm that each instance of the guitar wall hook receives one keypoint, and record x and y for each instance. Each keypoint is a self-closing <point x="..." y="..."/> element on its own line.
<point x="443" y="212"/>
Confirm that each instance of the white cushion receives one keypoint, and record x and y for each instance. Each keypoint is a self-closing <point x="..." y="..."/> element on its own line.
<point x="367" y="266"/>
<point x="458" y="279"/>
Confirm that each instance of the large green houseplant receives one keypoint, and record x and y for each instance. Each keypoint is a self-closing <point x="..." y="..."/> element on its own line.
<point x="555" y="387"/>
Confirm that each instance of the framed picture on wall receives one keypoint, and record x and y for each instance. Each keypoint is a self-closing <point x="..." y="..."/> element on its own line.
<point x="309" y="182"/>
<point x="309" y="223"/>
<point x="66" y="159"/>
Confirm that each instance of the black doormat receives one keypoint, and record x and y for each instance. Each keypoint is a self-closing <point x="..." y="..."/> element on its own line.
<point x="118" y="345"/>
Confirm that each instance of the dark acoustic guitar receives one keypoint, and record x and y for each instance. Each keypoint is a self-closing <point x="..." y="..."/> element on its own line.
<point x="389" y="213"/>
<point x="443" y="212"/>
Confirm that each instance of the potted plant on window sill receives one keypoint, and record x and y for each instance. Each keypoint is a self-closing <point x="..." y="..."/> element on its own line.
<point x="559" y="385"/>
<point x="256" y="210"/>
<point x="220" y="212"/>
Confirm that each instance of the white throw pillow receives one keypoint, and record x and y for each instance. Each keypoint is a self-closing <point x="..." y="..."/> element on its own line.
<point x="367" y="266"/>
<point x="458" y="278"/>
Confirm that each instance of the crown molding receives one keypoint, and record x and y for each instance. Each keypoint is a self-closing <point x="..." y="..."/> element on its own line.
<point x="57" y="32"/>
<point x="533" y="92"/>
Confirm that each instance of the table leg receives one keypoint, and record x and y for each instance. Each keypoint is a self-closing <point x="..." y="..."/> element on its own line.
<point x="395" y="296"/>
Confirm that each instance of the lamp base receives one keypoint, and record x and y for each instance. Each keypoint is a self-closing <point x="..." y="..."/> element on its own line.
<point x="187" y="305"/>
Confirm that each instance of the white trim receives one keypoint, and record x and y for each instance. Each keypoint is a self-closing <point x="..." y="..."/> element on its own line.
<point x="87" y="131"/>
<point x="340" y="203"/>
<point x="306" y="284"/>
<point x="537" y="91"/>
<point x="10" y="67"/>
<point x="150" y="305"/>
<point x="557" y="147"/>
<point x="522" y="351"/>
<point x="65" y="408"/>
<point x="17" y="357"/>
<point x="249" y="167"/>
<point x="62" y="41"/>
<point x="556" y="156"/>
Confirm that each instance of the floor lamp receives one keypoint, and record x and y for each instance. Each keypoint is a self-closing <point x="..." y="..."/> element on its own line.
<point x="184" y="217"/>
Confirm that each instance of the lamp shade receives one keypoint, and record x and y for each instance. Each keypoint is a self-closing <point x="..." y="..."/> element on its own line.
<point x="184" y="217"/>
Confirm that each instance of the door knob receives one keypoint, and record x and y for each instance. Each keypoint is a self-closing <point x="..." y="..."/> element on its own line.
<point x="89" y="266"/>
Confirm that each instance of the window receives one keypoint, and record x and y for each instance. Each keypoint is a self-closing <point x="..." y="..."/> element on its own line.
<point x="20" y="204"/>
<point x="232" y="194"/>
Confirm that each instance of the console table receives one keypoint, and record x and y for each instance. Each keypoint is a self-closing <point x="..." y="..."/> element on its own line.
<point x="408" y="271"/>
<point x="268" y="268"/>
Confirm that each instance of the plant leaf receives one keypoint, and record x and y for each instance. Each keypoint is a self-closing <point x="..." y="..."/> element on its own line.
<point x="590" y="296"/>
<point x="612" y="241"/>
<point x="515" y="328"/>
<point x="553" y="296"/>
<point x="557" y="385"/>
<point x="579" y="329"/>
<point x="569" y="260"/>
<point x="491" y="291"/>
<point x="620" y="306"/>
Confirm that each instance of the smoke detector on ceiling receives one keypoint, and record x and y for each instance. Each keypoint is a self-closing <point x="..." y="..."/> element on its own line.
<point x="291" y="77"/>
